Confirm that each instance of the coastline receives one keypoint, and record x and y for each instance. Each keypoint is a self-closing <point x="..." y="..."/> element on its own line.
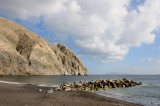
<point x="28" y="95"/>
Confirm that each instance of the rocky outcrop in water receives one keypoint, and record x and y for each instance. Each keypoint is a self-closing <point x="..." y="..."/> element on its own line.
<point x="22" y="52"/>
<point x="98" y="84"/>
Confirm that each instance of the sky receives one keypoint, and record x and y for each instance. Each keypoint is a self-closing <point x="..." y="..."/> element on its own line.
<point x="109" y="36"/>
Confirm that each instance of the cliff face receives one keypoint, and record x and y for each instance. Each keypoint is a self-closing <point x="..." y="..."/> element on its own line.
<point x="24" y="53"/>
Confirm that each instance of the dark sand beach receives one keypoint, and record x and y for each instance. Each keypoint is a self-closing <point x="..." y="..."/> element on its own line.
<point x="28" y="95"/>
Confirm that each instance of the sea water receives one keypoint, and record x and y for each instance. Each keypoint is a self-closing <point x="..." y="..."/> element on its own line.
<point x="146" y="94"/>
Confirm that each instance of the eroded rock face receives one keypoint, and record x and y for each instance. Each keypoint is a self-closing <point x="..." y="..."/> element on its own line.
<point x="24" y="53"/>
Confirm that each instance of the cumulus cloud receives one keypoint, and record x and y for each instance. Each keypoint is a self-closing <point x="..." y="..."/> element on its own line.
<point x="146" y="60"/>
<point x="104" y="29"/>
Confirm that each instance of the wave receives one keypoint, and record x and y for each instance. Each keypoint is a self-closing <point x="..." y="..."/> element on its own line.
<point x="150" y="85"/>
<point x="148" y="99"/>
<point x="21" y="83"/>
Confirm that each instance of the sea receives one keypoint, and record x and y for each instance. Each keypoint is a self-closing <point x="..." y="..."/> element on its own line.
<point x="148" y="94"/>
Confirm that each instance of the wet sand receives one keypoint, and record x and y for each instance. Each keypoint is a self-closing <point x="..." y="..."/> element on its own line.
<point x="28" y="95"/>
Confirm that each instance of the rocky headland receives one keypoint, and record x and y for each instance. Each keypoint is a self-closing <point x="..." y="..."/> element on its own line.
<point x="22" y="52"/>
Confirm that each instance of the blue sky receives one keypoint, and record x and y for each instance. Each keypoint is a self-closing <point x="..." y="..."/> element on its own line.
<point x="119" y="37"/>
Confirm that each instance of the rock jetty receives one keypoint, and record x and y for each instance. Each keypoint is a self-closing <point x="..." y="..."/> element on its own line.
<point x="98" y="84"/>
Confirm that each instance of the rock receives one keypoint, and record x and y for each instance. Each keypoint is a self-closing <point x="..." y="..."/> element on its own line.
<point x="140" y="83"/>
<point x="136" y="83"/>
<point x="22" y="52"/>
<point x="67" y="89"/>
<point x="132" y="84"/>
<point x="50" y="91"/>
<point x="123" y="86"/>
<point x="127" y="84"/>
<point x="57" y="88"/>
<point x="114" y="85"/>
<point x="96" y="87"/>
<point x="110" y="80"/>
<point x="97" y="82"/>
<point x="109" y="86"/>
<point x="66" y="84"/>
<point x="105" y="86"/>
<point x="101" y="85"/>
<point x="86" y="88"/>
<point x="120" y="86"/>
<point x="89" y="86"/>
<point x="100" y="81"/>
<point x="81" y="81"/>
<point x="80" y="88"/>
<point x="117" y="81"/>
<point x="91" y="82"/>
<point x="39" y="90"/>
<point x="77" y="85"/>
<point x="92" y="86"/>
<point x="124" y="79"/>
<point x="71" y="83"/>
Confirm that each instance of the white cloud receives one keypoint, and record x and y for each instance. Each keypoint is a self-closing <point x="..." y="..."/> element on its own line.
<point x="101" y="29"/>
<point x="146" y="60"/>
<point x="158" y="60"/>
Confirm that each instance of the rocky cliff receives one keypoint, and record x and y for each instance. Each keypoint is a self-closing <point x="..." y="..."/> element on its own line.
<point x="22" y="52"/>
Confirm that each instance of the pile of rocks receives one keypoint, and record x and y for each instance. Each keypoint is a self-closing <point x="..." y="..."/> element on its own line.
<point x="98" y="84"/>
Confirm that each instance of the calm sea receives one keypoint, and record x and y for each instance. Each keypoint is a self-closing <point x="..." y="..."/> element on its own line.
<point x="145" y="94"/>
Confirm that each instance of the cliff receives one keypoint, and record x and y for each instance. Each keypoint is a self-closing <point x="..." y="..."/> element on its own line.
<point x="22" y="52"/>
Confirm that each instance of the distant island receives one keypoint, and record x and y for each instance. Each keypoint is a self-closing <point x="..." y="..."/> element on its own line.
<point x="22" y="52"/>
<point x="117" y="73"/>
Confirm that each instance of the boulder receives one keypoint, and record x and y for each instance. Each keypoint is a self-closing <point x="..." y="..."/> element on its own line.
<point x="49" y="91"/>
<point x="101" y="85"/>
<point x="109" y="86"/>
<point x="87" y="88"/>
<point x="77" y="85"/>
<point x="105" y="86"/>
<point x="127" y="84"/>
<point x="39" y="90"/>
<point x="132" y="84"/>
<point x="110" y="80"/>
<point x="57" y="88"/>
<point x="123" y="86"/>
<point x="66" y="84"/>
<point x="114" y="85"/>
<point x="80" y="88"/>
<point x="67" y="88"/>
<point x="96" y="87"/>
<point x="119" y="85"/>
<point x="140" y="83"/>
<point x="91" y="82"/>
<point x="124" y="79"/>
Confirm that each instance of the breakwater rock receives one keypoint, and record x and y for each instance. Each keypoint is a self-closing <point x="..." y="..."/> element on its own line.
<point x="98" y="84"/>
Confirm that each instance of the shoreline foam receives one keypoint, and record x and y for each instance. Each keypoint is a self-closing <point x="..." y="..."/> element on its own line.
<point x="21" y="83"/>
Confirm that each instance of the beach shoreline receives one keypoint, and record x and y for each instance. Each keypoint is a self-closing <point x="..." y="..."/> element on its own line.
<point x="28" y="95"/>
